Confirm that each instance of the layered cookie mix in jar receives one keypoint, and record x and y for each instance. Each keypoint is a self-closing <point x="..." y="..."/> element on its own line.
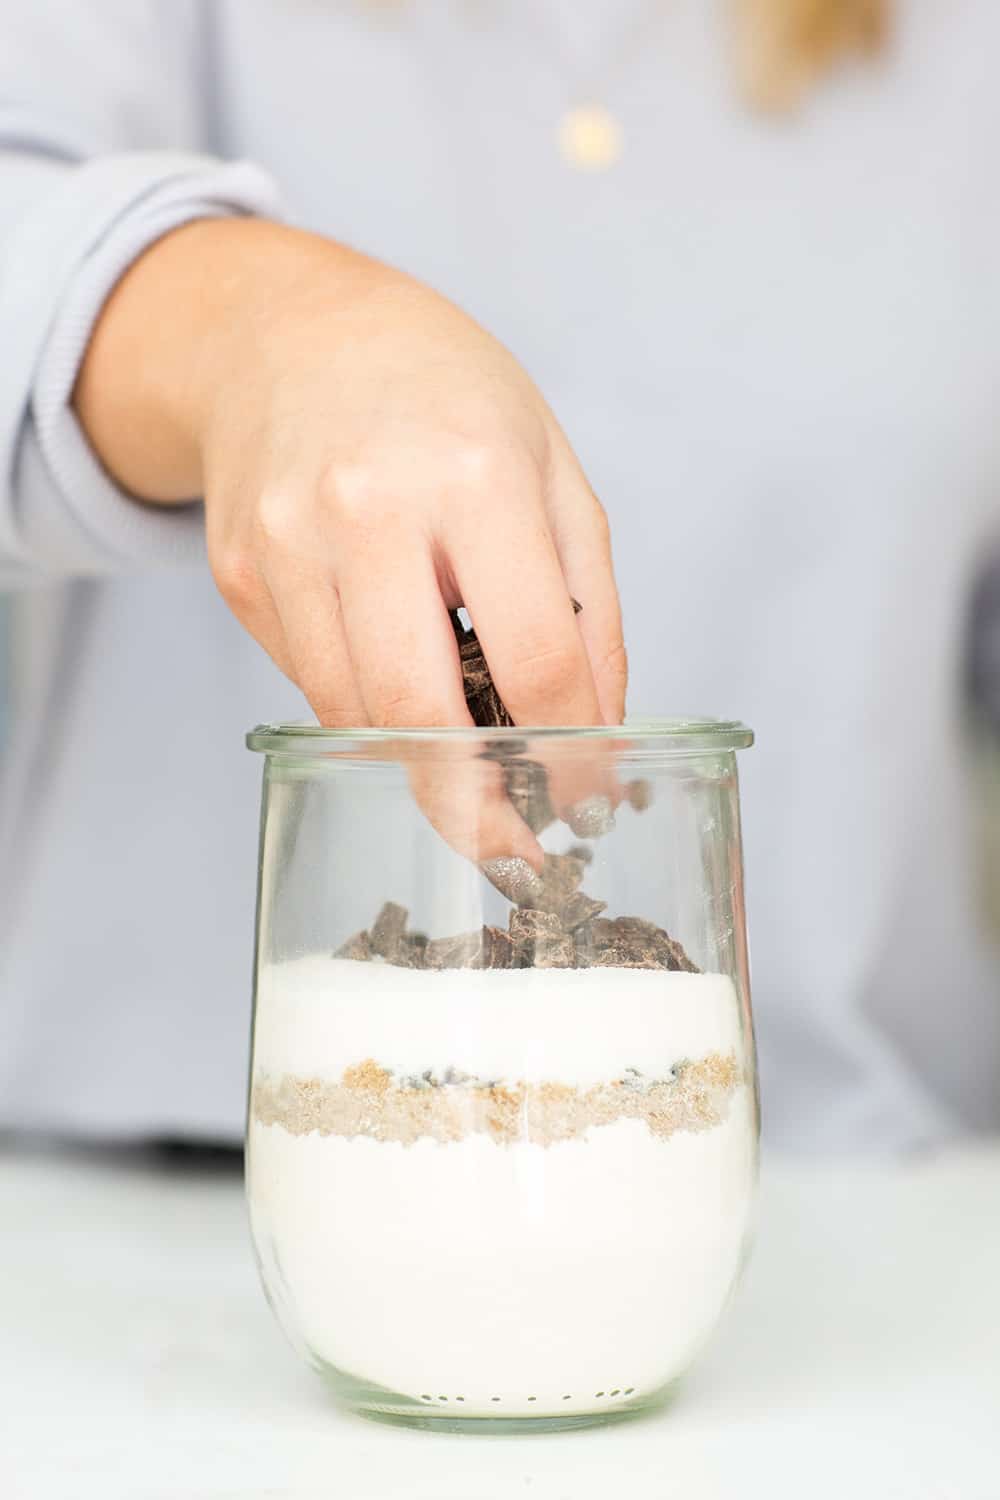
<point x="502" y="1122"/>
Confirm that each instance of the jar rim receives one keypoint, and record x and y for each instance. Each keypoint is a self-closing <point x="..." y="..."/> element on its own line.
<point x="677" y="736"/>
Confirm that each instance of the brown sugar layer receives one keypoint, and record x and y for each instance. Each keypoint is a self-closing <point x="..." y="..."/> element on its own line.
<point x="371" y="1101"/>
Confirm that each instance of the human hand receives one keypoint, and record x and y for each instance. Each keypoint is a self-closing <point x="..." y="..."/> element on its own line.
<point x="369" y="458"/>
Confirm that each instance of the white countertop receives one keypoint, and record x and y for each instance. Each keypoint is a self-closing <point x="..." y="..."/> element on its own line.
<point x="138" y="1359"/>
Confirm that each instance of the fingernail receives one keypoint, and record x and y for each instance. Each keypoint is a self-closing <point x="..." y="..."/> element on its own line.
<point x="513" y="878"/>
<point x="591" y="817"/>
<point x="640" y="794"/>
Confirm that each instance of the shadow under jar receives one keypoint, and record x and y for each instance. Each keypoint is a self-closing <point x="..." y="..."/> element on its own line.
<point x="502" y="1127"/>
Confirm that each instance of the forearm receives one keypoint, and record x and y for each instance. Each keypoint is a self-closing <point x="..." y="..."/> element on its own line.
<point x="369" y="457"/>
<point x="191" y="312"/>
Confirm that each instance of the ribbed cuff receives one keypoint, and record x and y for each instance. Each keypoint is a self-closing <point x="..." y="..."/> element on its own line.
<point x="115" y="208"/>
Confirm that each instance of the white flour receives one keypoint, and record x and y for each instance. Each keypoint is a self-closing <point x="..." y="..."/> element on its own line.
<point x="317" y="1016"/>
<point x="501" y="1280"/>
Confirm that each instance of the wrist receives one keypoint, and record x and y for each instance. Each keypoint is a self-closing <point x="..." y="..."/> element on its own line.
<point x="181" y="329"/>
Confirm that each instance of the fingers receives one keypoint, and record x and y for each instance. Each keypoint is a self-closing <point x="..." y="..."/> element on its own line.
<point x="351" y="607"/>
<point x="406" y="663"/>
<point x="312" y="620"/>
<point x="398" y="631"/>
<point x="243" y="587"/>
<point x="464" y="799"/>
<point x="583" y="542"/>
<point x="512" y="583"/>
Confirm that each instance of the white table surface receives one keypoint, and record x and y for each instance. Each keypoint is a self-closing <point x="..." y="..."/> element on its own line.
<point x="138" y="1358"/>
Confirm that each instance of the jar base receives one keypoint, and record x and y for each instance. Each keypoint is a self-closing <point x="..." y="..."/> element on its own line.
<point x="500" y="1426"/>
<point x="377" y="1404"/>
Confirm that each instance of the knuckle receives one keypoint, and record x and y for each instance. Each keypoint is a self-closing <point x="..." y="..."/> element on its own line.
<point x="276" y="519"/>
<point x="399" y="706"/>
<point x="486" y="469"/>
<point x="614" y="662"/>
<point x="332" y="695"/>
<point x="549" y="673"/>
<point x="602" y="526"/>
<point x="351" y="491"/>
<point x="336" y="713"/>
<point x="238" y="578"/>
<point x="473" y="463"/>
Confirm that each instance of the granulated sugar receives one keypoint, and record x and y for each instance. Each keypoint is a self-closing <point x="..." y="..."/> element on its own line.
<point x="511" y="1192"/>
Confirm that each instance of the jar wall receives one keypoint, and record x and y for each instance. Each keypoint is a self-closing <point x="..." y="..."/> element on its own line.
<point x="501" y="1153"/>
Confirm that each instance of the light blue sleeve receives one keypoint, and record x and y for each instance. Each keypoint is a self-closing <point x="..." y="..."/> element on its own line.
<point x="104" y="139"/>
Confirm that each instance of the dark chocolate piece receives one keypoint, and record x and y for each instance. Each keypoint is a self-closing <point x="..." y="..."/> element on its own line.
<point x="633" y="943"/>
<point x="357" y="947"/>
<point x="489" y="948"/>
<point x="619" y="956"/>
<point x="539" y="940"/>
<point x="388" y="929"/>
<point x="498" y="948"/>
<point x="558" y="892"/>
<point x="682" y="961"/>
<point x="554" y="924"/>
<point x="565" y="931"/>
<point x="412" y="951"/>
<point x="484" y="702"/>
<point x="527" y="785"/>
<point x="527" y="925"/>
<point x="482" y="699"/>
<point x="580" y="909"/>
<point x="561" y="877"/>
<point x="552" y="952"/>
<point x="636" y="932"/>
<point x="503" y="750"/>
<point x="640" y="794"/>
<point x="462" y="952"/>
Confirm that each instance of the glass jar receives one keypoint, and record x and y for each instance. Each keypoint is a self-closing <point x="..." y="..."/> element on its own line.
<point x="502" y="1127"/>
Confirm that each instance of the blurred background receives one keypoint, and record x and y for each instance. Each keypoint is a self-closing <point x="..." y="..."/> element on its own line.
<point x="748" y="251"/>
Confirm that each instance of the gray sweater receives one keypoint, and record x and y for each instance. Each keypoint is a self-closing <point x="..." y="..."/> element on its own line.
<point x="776" y="350"/>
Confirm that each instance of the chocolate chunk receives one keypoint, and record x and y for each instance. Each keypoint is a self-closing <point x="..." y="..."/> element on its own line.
<point x="558" y="892"/>
<point x="633" y="943"/>
<point x="583" y="942"/>
<point x="552" y="952"/>
<point x="357" y="947"/>
<point x="498" y="948"/>
<point x="527" y="785"/>
<point x="412" y="951"/>
<point x="681" y="959"/>
<point x="604" y="930"/>
<point x="388" y="929"/>
<point x="527" y="925"/>
<point x="484" y="702"/>
<point x="482" y="699"/>
<point x="462" y="952"/>
<point x="489" y="948"/>
<point x="503" y="750"/>
<point x="540" y="940"/>
<point x="580" y="909"/>
<point x="619" y="956"/>
<point x="574" y="935"/>
<point x="549" y="891"/>
<point x="639" y="935"/>
<point x="561" y="877"/>
<point x="640" y="794"/>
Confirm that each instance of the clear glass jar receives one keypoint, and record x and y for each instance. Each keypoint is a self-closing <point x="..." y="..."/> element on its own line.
<point x="502" y="1129"/>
